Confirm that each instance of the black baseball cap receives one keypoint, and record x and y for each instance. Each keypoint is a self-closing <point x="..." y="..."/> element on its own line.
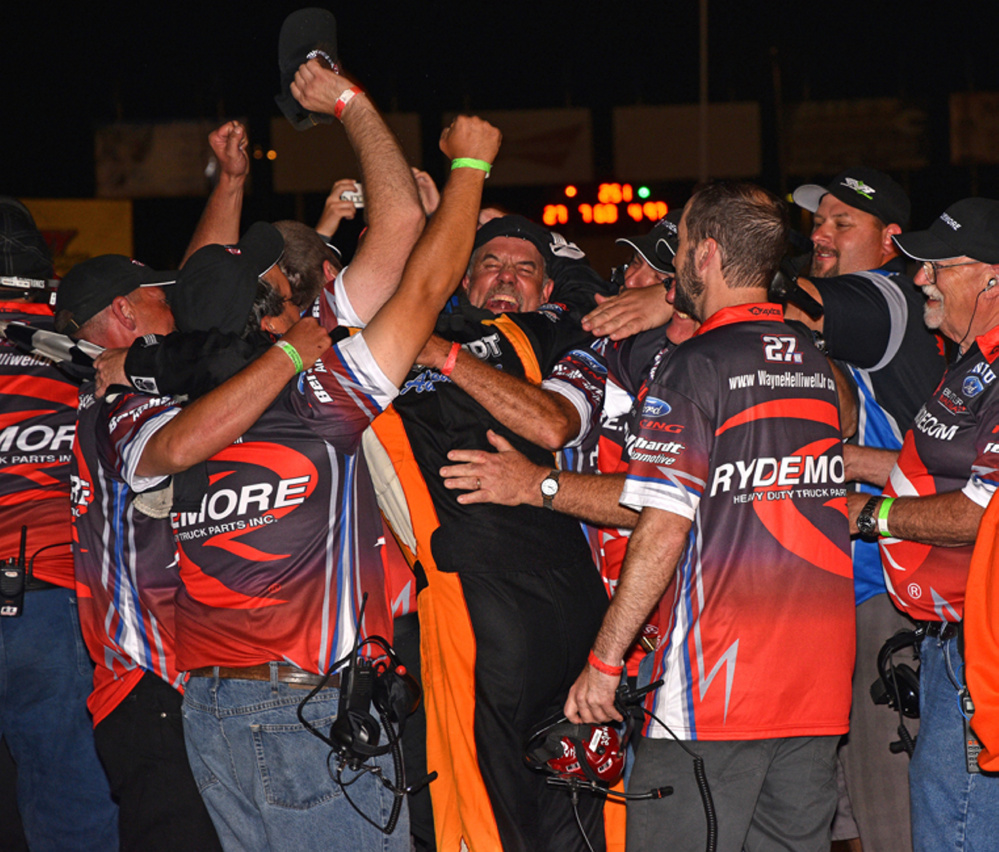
<point x="218" y="284"/>
<point x="658" y="246"/>
<point x="305" y="34"/>
<point x="864" y="188"/>
<point x="92" y="285"/>
<point x="23" y="251"/>
<point x="520" y="227"/>
<point x="968" y="228"/>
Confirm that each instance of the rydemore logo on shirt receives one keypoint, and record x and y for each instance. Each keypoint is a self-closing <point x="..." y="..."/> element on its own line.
<point x="36" y="444"/>
<point x="780" y="478"/>
<point x="250" y="506"/>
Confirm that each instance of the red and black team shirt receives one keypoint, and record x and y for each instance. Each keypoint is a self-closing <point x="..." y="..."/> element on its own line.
<point x="740" y="433"/>
<point x="287" y="539"/>
<point x="126" y="560"/>
<point x="952" y="445"/>
<point x="37" y="421"/>
<point x="618" y="369"/>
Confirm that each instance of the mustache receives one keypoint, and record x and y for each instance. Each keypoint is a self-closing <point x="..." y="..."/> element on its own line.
<point x="503" y="290"/>
<point x="931" y="292"/>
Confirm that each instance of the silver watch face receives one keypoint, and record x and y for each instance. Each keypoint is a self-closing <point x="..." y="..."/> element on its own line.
<point x="549" y="487"/>
<point x="866" y="524"/>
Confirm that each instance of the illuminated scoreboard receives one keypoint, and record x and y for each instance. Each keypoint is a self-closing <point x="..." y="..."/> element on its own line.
<point x="614" y="203"/>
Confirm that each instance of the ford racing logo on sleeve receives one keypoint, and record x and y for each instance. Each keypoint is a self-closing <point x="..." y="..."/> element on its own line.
<point x="655" y="407"/>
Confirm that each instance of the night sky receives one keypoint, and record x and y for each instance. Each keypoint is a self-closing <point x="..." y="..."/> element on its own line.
<point x="67" y="71"/>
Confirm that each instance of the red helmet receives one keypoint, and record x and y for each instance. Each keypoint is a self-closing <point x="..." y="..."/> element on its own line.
<point x="590" y="752"/>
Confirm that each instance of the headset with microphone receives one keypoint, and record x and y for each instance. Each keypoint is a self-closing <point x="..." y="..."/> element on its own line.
<point x="898" y="687"/>
<point x="591" y="757"/>
<point x="380" y="682"/>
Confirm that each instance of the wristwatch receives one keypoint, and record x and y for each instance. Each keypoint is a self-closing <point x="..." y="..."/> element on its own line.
<point x="549" y="488"/>
<point x="867" y="523"/>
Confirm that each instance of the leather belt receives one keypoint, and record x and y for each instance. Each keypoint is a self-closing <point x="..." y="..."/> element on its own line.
<point x="942" y="630"/>
<point x="286" y="673"/>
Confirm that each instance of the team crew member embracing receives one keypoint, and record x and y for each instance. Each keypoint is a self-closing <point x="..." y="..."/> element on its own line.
<point x="743" y="500"/>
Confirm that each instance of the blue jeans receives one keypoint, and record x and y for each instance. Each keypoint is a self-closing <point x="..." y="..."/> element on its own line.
<point x="951" y="809"/>
<point x="45" y="678"/>
<point x="265" y="778"/>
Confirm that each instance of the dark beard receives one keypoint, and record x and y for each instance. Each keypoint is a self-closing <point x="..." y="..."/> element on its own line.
<point x="682" y="302"/>
<point x="688" y="286"/>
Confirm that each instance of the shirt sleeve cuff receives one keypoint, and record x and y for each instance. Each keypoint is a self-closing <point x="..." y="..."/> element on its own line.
<point x="342" y="307"/>
<point x="639" y="493"/>
<point x="137" y="446"/>
<point x="978" y="490"/>
<point x="578" y="400"/>
<point x="357" y="357"/>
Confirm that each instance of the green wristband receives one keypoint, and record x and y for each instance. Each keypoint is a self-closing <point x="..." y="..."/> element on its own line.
<point x="883" y="509"/>
<point x="292" y="353"/>
<point x="471" y="163"/>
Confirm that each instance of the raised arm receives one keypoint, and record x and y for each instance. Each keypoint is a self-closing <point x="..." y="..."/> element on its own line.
<point x="336" y="208"/>
<point x="401" y="328"/>
<point x="392" y="205"/>
<point x="220" y="221"/>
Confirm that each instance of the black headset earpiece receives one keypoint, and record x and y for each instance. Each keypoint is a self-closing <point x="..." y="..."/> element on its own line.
<point x="384" y="683"/>
<point x="898" y="684"/>
<point x="354" y="728"/>
<point x="547" y="744"/>
<point x="396" y="692"/>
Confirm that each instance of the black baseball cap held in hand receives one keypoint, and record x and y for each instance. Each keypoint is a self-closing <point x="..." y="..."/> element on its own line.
<point x="968" y="228"/>
<point x="305" y="34"/>
<point x="23" y="250"/>
<point x="865" y="189"/>
<point x="92" y="285"/>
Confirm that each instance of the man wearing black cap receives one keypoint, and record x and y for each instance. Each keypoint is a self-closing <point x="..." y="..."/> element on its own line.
<point x="928" y="518"/>
<point x="271" y="588"/>
<point x="610" y="374"/>
<point x="512" y="597"/>
<point x="125" y="556"/>
<point x="651" y="260"/>
<point x="63" y="794"/>
<point x="872" y="324"/>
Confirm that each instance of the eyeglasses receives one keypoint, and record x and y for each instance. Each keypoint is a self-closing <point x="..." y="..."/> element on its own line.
<point x="930" y="268"/>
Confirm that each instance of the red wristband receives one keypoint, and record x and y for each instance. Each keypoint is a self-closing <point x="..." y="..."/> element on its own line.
<point x="452" y="359"/>
<point x="344" y="99"/>
<point x="602" y="667"/>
